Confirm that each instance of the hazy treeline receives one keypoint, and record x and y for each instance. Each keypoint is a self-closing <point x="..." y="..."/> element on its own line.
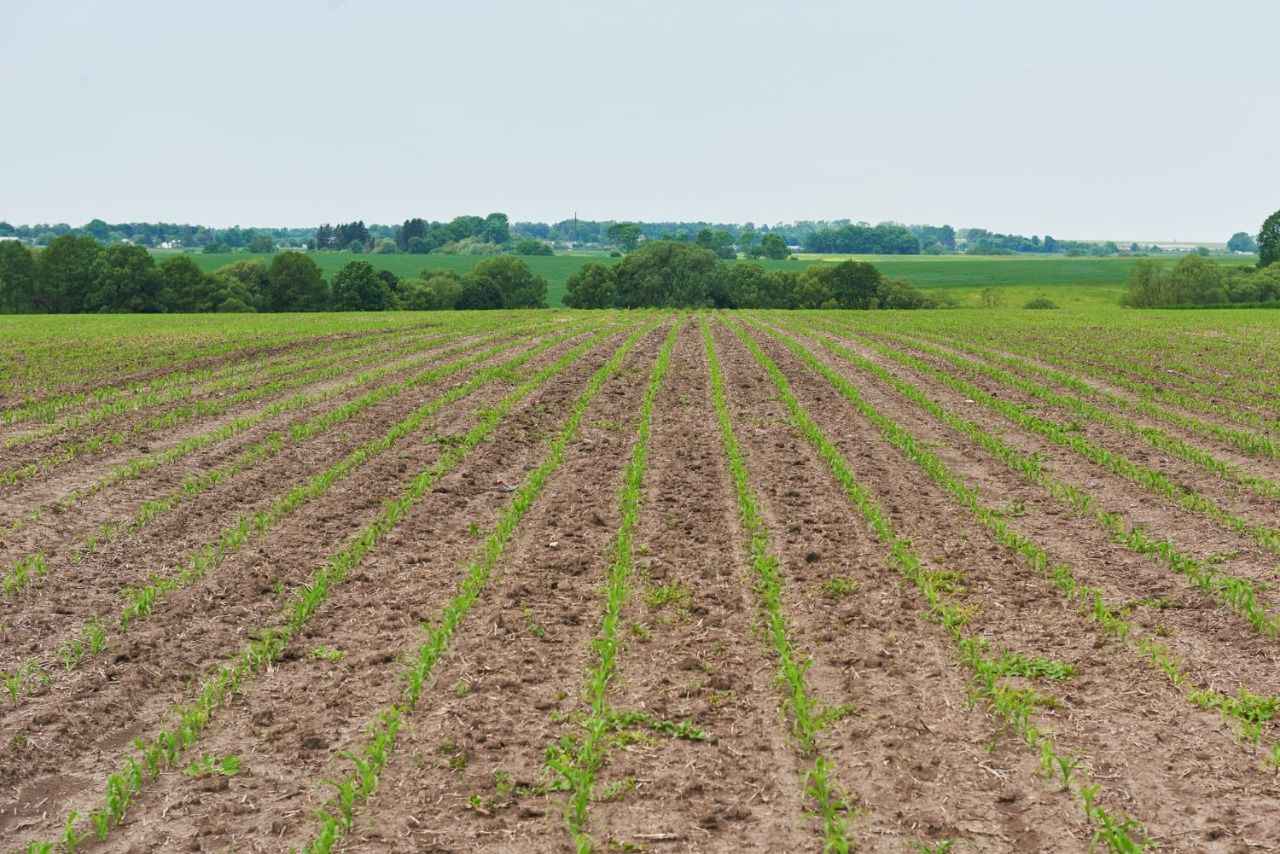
<point x="671" y="274"/>
<point x="76" y="275"/>
<point x="494" y="234"/>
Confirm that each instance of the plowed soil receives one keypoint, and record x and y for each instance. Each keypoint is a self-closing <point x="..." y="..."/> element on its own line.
<point x="710" y="759"/>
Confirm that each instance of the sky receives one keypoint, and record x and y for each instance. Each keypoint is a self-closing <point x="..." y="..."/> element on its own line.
<point x="1085" y="120"/>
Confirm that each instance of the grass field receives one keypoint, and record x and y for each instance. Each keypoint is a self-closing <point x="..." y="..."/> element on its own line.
<point x="1067" y="281"/>
<point x="966" y="581"/>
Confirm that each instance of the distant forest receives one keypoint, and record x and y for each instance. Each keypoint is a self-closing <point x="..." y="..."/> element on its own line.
<point x="495" y="234"/>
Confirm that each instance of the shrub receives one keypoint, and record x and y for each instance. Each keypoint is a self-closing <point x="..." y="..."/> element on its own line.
<point x="590" y="287"/>
<point x="532" y="247"/>
<point x="1041" y="302"/>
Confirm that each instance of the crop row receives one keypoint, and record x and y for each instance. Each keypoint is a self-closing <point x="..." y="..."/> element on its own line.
<point x="1153" y="436"/>
<point x="150" y="461"/>
<point x="371" y="756"/>
<point x="1149" y="382"/>
<point x="272" y="445"/>
<point x="234" y="377"/>
<point x="165" y="748"/>
<point x="139" y="602"/>
<point x="326" y="368"/>
<point x="1015" y="706"/>
<point x="1249" y="711"/>
<point x="1247" y="441"/>
<point x="807" y="716"/>
<point x="578" y="767"/>
<point x="1117" y="463"/>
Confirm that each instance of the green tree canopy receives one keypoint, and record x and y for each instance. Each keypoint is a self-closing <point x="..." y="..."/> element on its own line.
<point x="590" y="287"/>
<point x="183" y="286"/>
<point x="358" y="287"/>
<point x="519" y="286"/>
<point x="852" y="284"/>
<point x="437" y="291"/>
<point x="262" y="244"/>
<point x="1242" y="241"/>
<point x="1269" y="241"/>
<point x="17" y="278"/>
<point x="479" y="294"/>
<point x="126" y="280"/>
<point x="665" y="274"/>
<point x="65" y="274"/>
<point x="294" y="283"/>
<point x="624" y="234"/>
<point x="529" y="246"/>
<point x="772" y="246"/>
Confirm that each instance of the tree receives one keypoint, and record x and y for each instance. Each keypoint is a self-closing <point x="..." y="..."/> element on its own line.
<point x="412" y="229"/>
<point x="532" y="247"/>
<point x="478" y="294"/>
<point x="438" y="291"/>
<point x="519" y="286"/>
<point x="853" y="284"/>
<point x="294" y="283"/>
<point x="17" y="278"/>
<point x="665" y="274"/>
<point x="251" y="278"/>
<point x="590" y="287"/>
<point x="1242" y="241"/>
<point x="126" y="280"/>
<point x="98" y="230"/>
<point x="720" y="242"/>
<point x="496" y="228"/>
<point x="1269" y="241"/>
<point x="358" y="287"/>
<point x="262" y="244"/>
<point x="183" y="286"/>
<point x="1148" y="286"/>
<point x="773" y="246"/>
<point x="65" y="274"/>
<point x="624" y="234"/>
<point x="1198" y="281"/>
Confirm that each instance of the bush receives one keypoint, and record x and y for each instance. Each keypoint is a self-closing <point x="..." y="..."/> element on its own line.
<point x="518" y="286"/>
<point x="434" y="291"/>
<point x="532" y="247"/>
<point x="1041" y="302"/>
<point x="590" y="287"/>
<point x="479" y="294"/>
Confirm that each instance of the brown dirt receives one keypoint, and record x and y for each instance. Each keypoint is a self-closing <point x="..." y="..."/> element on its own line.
<point x="917" y="760"/>
<point x="1127" y="722"/>
<point x="72" y="593"/>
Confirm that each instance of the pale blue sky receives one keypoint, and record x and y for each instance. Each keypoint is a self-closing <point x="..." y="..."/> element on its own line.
<point x="1125" y="119"/>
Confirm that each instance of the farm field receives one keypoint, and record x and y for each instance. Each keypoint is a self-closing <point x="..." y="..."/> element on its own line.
<point x="1071" y="282"/>
<point x="963" y="581"/>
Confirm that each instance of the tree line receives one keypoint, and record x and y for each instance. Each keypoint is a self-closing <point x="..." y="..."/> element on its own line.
<point x="672" y="274"/>
<point x="494" y="234"/>
<point x="1195" y="280"/>
<point x="75" y="275"/>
